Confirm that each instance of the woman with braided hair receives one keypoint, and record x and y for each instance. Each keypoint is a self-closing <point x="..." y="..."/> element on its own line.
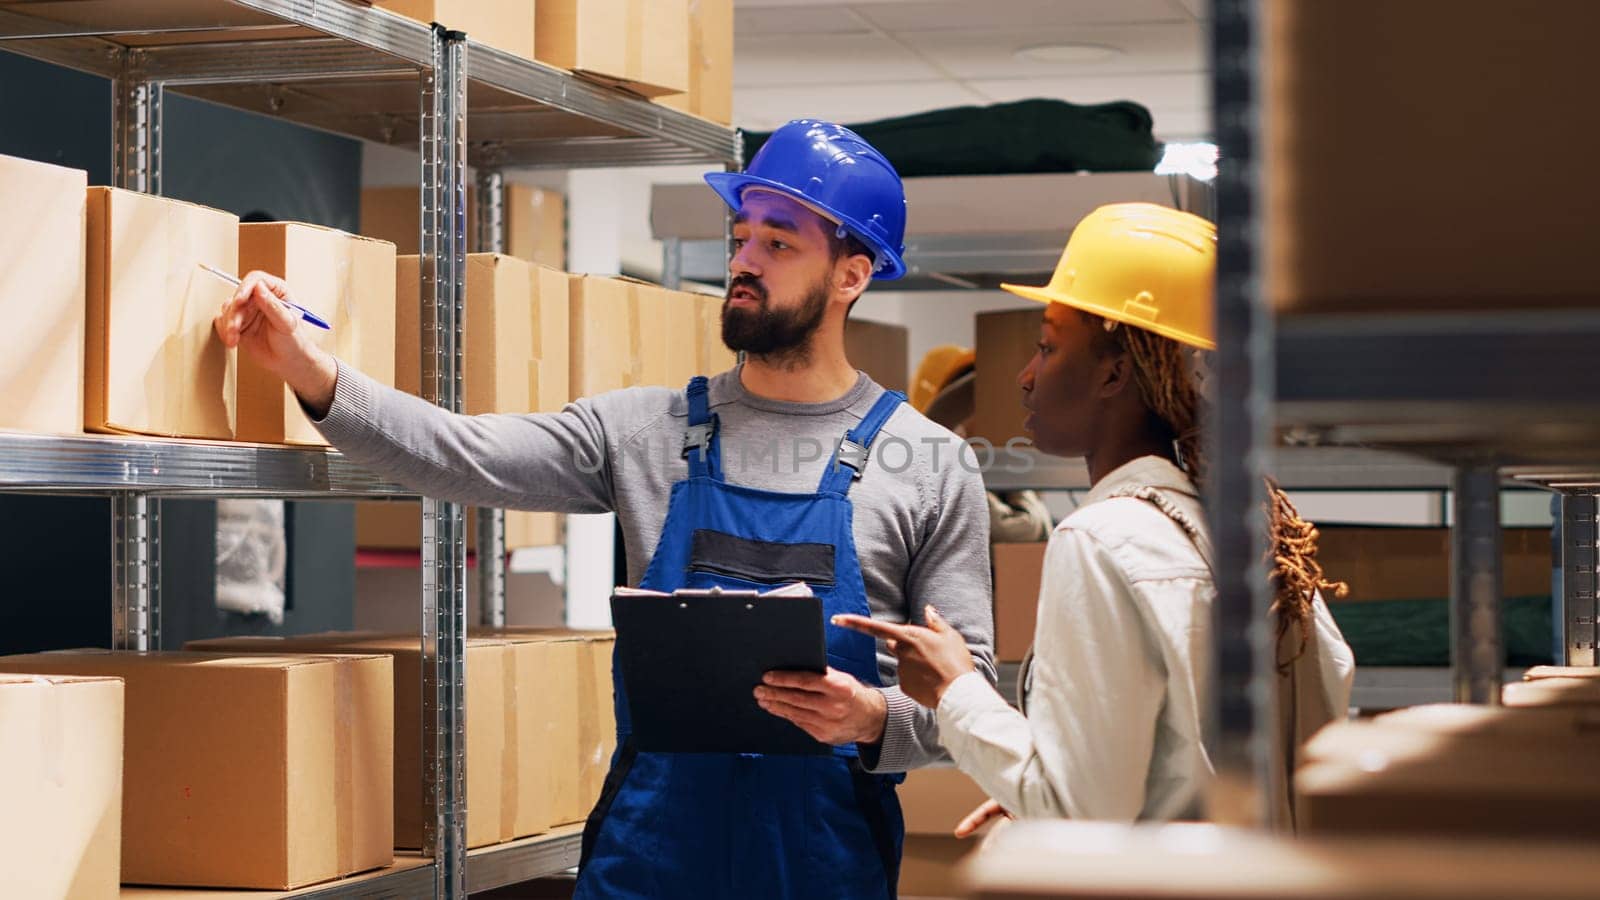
<point x="1112" y="692"/>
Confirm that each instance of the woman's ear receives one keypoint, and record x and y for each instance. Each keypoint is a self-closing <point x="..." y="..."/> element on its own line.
<point x="1116" y="374"/>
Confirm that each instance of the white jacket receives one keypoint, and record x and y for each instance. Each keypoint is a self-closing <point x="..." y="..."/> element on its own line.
<point x="1120" y="658"/>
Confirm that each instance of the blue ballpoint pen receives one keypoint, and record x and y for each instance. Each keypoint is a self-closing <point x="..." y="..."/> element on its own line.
<point x="306" y="314"/>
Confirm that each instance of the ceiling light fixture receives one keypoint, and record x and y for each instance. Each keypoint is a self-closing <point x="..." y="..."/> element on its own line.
<point x="1068" y="54"/>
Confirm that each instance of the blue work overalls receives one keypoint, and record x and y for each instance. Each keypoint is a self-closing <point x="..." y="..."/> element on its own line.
<point x="748" y="826"/>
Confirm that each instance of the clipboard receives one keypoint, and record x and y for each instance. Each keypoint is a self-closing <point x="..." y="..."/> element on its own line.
<point x="691" y="661"/>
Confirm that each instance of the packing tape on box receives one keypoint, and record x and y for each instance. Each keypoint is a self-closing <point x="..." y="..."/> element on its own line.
<point x="51" y="730"/>
<point x="344" y="726"/>
<point x="634" y="373"/>
<point x="511" y="754"/>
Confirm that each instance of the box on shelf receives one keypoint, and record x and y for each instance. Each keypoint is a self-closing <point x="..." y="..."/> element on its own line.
<point x="1414" y="563"/>
<point x="397" y="525"/>
<point x="1005" y="342"/>
<point x="542" y="719"/>
<point x="152" y="363"/>
<point x="933" y="801"/>
<point x="503" y="24"/>
<point x="710" y="94"/>
<point x="515" y="340"/>
<point x="597" y="723"/>
<point x="61" y="777"/>
<point x="713" y="355"/>
<point x="1509" y="772"/>
<point x="639" y="45"/>
<point x="880" y="350"/>
<point x="42" y="297"/>
<point x="489" y="672"/>
<point x="1018" y="569"/>
<point x="262" y="772"/>
<point x="342" y="278"/>
<point x="535" y="220"/>
<point x="618" y="335"/>
<point x="1402" y="224"/>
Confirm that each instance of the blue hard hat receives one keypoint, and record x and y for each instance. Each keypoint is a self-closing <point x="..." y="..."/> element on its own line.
<point x="832" y="170"/>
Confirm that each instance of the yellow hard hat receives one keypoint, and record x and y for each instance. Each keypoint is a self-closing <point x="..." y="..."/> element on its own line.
<point x="938" y="368"/>
<point x="1143" y="265"/>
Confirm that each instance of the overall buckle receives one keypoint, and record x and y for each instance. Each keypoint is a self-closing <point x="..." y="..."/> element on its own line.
<point x="698" y="437"/>
<point x="854" y="455"/>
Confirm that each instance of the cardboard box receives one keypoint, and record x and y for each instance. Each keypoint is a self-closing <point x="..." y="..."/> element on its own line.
<point x="1414" y="563"/>
<point x="344" y="279"/>
<point x="61" y="777"/>
<point x="1539" y="673"/>
<point x="710" y="94"/>
<point x="503" y="24"/>
<point x="536" y="221"/>
<point x="934" y="800"/>
<point x="42" y="297"/>
<point x="930" y="865"/>
<point x="1005" y="342"/>
<point x="397" y="525"/>
<point x="543" y="720"/>
<point x="1482" y="772"/>
<point x="713" y="356"/>
<point x="277" y="756"/>
<point x="880" y="351"/>
<point x="516" y="334"/>
<point x="1202" y="861"/>
<point x="1385" y="191"/>
<point x="596" y="714"/>
<point x="153" y="364"/>
<point x="1018" y="569"/>
<point x="1553" y="692"/>
<point x="619" y="335"/>
<point x="487" y="673"/>
<point x="639" y="45"/>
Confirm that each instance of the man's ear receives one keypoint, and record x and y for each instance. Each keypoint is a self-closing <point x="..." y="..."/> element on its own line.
<point x="851" y="275"/>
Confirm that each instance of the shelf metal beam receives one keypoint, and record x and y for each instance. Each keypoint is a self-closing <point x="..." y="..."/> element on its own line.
<point x="165" y="467"/>
<point x="1577" y="586"/>
<point x="249" y="62"/>
<point x="135" y="572"/>
<point x="491" y="521"/>
<point x="1243" y="434"/>
<point x="444" y="598"/>
<point x="1477" y="640"/>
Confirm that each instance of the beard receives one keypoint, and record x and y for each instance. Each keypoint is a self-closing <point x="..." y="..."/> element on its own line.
<point x="773" y="334"/>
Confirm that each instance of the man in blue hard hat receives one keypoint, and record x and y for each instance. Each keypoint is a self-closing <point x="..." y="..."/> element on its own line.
<point x="792" y="447"/>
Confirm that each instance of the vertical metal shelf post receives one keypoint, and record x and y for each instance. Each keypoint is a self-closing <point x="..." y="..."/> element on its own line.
<point x="1577" y="585"/>
<point x="135" y="517"/>
<point x="491" y="521"/>
<point x="1242" y="433"/>
<point x="1477" y="640"/>
<point x="444" y="600"/>
<point x="135" y="571"/>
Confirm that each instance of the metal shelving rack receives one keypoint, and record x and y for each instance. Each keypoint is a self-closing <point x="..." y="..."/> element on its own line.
<point x="343" y="67"/>
<point x="1494" y="396"/>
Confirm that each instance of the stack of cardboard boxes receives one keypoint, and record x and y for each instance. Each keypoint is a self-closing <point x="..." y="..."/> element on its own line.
<point x="275" y="763"/>
<point x="679" y="52"/>
<point x="1522" y="770"/>
<point x="270" y="772"/>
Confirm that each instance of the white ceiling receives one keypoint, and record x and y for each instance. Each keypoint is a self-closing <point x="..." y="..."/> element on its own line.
<point x="855" y="60"/>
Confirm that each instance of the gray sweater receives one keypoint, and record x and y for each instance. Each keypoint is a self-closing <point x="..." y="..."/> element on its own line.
<point x="921" y="523"/>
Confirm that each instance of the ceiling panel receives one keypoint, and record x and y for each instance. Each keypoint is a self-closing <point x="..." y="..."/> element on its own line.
<point x="825" y="59"/>
<point x="968" y="16"/>
<point x="748" y="22"/>
<point x="765" y="108"/>
<point x="992" y="54"/>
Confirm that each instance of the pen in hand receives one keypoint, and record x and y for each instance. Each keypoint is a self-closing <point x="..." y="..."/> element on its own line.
<point x="306" y="314"/>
